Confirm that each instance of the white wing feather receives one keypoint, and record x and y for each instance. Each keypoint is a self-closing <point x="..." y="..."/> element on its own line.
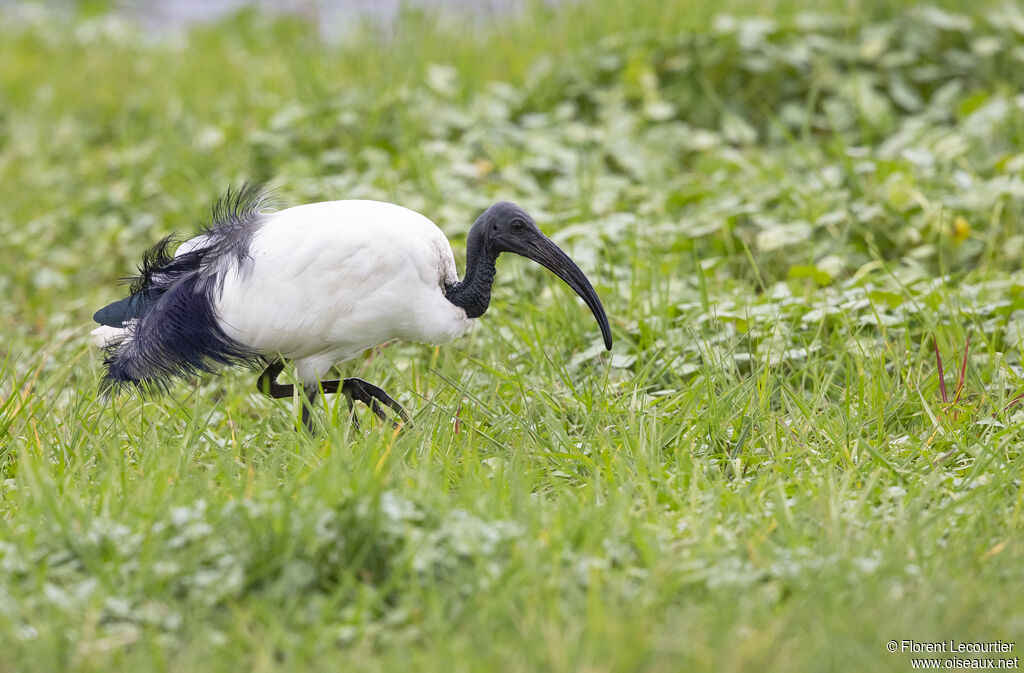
<point x="329" y="280"/>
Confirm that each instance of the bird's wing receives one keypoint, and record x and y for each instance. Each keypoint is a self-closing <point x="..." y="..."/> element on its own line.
<point x="339" y="276"/>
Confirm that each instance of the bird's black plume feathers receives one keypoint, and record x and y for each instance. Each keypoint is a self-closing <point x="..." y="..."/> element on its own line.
<point x="171" y="323"/>
<point x="153" y="260"/>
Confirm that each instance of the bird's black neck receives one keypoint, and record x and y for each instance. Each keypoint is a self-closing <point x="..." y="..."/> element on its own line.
<point x="473" y="292"/>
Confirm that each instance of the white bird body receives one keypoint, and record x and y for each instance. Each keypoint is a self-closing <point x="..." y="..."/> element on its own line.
<point x="328" y="280"/>
<point x="325" y="281"/>
<point x="316" y="284"/>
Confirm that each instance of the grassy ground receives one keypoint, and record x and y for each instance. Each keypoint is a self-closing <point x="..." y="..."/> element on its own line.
<point x="806" y="231"/>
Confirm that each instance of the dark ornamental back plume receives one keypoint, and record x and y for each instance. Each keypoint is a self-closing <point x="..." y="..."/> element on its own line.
<point x="182" y="336"/>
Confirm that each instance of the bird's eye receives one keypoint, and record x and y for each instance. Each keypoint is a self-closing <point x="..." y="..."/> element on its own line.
<point x="517" y="225"/>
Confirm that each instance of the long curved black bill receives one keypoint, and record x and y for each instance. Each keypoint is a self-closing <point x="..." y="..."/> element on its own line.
<point x="544" y="251"/>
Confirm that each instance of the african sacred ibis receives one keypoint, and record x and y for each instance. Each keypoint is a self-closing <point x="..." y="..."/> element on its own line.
<point x="316" y="284"/>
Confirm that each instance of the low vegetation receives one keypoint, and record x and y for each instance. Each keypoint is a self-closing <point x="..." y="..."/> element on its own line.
<point x="805" y="227"/>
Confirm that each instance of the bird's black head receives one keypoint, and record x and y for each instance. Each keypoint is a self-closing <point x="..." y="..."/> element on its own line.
<point x="505" y="227"/>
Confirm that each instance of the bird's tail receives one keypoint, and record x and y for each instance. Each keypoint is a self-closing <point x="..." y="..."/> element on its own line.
<point x="179" y="336"/>
<point x="168" y="325"/>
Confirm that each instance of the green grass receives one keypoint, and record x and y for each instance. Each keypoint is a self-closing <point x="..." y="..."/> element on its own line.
<point x="791" y="224"/>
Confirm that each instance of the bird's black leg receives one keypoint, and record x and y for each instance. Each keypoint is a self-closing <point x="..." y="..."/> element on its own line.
<point x="353" y="389"/>
<point x="332" y="386"/>
<point x="268" y="385"/>
<point x="368" y="394"/>
<point x="309" y="394"/>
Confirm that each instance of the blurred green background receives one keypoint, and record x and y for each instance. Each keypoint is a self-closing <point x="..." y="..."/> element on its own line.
<point x="803" y="220"/>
